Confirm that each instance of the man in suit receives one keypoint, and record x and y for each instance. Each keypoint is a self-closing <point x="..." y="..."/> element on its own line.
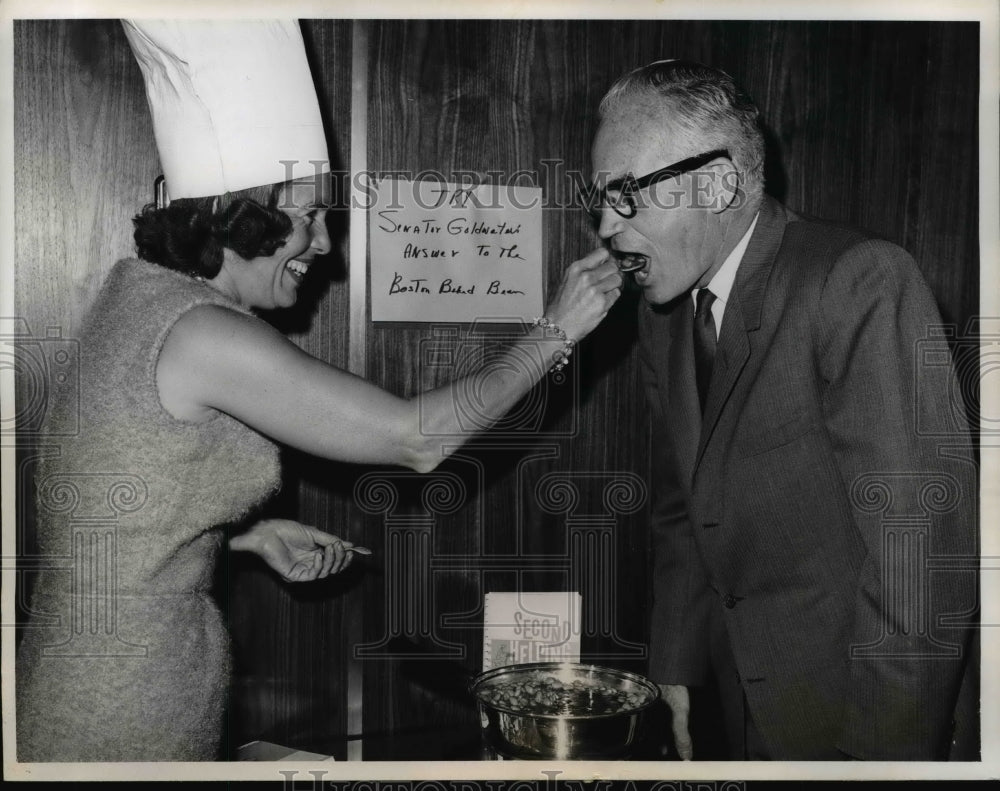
<point x="798" y="511"/>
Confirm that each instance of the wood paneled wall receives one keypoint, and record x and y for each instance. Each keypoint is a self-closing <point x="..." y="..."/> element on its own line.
<point x="872" y="124"/>
<point x="506" y="97"/>
<point x="85" y="163"/>
<point x="869" y="123"/>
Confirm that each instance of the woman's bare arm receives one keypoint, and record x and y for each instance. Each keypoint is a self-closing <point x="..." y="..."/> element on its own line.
<point x="219" y="359"/>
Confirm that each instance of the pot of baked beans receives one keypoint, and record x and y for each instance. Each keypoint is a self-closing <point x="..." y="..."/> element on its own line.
<point x="562" y="710"/>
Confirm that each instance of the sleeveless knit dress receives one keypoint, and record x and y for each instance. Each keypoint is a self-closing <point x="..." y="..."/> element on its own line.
<point x="125" y="656"/>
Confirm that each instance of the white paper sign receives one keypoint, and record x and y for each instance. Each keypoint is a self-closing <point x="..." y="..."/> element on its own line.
<point x="444" y="252"/>
<point x="521" y="627"/>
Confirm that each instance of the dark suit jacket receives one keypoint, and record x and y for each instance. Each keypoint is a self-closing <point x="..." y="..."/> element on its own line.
<point x="822" y="505"/>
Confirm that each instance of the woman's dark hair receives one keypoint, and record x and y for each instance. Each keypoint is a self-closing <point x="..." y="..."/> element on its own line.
<point x="190" y="233"/>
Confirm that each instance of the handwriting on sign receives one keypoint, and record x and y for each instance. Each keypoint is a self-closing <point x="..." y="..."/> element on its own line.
<point x="419" y="285"/>
<point x="482" y="250"/>
<point x="455" y="253"/>
<point x="456" y="227"/>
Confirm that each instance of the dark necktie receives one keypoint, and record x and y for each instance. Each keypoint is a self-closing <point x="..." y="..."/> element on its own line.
<point x="704" y="342"/>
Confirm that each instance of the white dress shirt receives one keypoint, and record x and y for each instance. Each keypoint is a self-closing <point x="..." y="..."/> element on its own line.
<point x="722" y="284"/>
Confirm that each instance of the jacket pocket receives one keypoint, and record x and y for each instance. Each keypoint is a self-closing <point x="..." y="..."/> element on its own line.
<point x="761" y="436"/>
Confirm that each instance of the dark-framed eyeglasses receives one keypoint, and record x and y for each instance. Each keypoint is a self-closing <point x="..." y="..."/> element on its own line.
<point x="619" y="194"/>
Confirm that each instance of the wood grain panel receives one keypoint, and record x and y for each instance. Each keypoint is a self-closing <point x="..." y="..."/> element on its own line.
<point x="504" y="97"/>
<point x="85" y="161"/>
<point x="852" y="112"/>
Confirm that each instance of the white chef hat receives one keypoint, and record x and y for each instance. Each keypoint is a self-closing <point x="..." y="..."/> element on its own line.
<point x="233" y="103"/>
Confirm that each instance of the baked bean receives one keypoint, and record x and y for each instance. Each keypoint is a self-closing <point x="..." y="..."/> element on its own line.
<point x="548" y="695"/>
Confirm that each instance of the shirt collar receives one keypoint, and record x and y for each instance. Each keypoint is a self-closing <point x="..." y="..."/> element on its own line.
<point x="722" y="283"/>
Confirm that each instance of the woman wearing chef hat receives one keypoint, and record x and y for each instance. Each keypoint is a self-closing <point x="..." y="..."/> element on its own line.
<point x="186" y="395"/>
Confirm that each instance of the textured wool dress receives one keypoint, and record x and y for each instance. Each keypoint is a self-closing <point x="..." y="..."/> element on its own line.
<point x="125" y="656"/>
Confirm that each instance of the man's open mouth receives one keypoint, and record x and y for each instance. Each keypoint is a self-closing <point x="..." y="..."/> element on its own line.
<point x="630" y="262"/>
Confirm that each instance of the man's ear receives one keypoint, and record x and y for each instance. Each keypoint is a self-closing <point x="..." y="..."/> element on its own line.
<point x="724" y="185"/>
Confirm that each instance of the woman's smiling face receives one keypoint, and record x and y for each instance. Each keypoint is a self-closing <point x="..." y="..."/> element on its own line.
<point x="273" y="281"/>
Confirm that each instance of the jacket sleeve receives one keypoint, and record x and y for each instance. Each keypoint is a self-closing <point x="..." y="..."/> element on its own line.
<point x="679" y="620"/>
<point x="898" y="428"/>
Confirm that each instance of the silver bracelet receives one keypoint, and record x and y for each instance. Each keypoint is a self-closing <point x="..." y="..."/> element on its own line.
<point x="561" y="357"/>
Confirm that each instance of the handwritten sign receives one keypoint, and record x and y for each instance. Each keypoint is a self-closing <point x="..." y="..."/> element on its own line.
<point x="445" y="252"/>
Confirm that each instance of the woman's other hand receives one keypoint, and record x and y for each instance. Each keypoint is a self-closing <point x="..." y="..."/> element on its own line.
<point x="589" y="288"/>
<point x="299" y="553"/>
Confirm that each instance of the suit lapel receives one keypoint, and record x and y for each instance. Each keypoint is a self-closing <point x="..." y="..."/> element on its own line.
<point x="742" y="316"/>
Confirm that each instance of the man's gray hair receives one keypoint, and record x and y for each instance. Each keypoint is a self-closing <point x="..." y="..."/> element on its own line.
<point x="704" y="104"/>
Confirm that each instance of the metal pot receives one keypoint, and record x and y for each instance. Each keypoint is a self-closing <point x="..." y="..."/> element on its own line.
<point x="562" y="710"/>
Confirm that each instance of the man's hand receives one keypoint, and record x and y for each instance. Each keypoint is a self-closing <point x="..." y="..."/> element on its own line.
<point x="679" y="701"/>
<point x="298" y="553"/>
